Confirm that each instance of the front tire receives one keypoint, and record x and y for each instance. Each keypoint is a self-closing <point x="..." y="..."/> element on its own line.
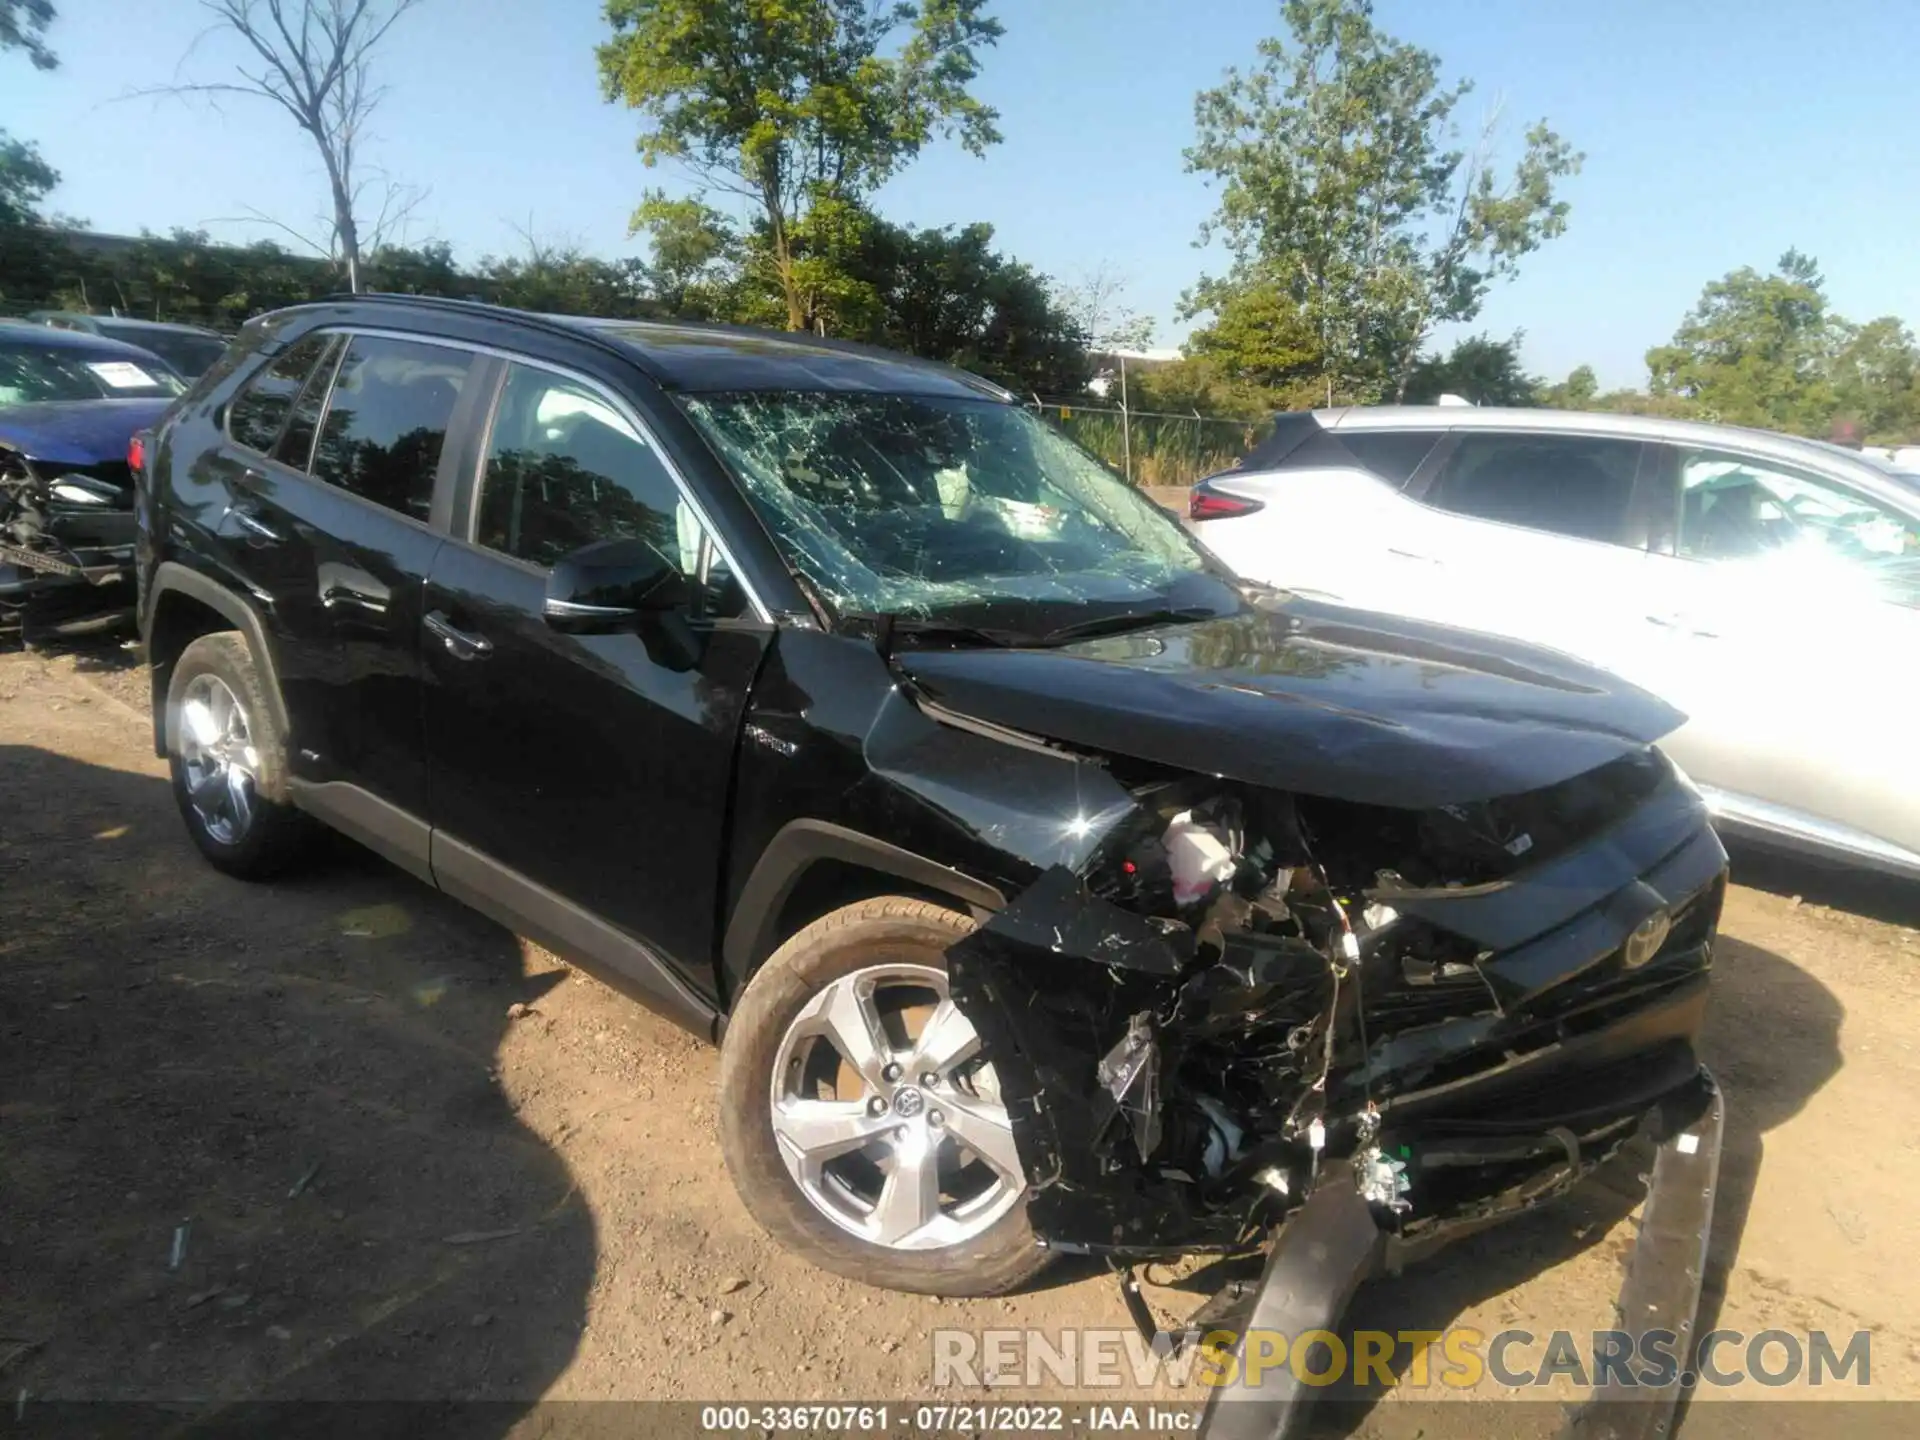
<point x="859" y="1119"/>
<point x="229" y="761"/>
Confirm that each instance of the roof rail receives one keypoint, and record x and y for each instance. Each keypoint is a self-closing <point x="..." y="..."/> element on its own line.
<point x="558" y="324"/>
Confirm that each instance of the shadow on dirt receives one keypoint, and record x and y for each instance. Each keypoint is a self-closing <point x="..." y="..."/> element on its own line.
<point x="256" y="1149"/>
<point x="1772" y="1040"/>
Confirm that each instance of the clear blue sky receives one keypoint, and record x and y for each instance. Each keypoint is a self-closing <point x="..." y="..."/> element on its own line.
<point x="1717" y="134"/>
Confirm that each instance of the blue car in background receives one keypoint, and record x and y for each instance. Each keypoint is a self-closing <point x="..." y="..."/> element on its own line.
<point x="71" y="405"/>
<point x="190" y="349"/>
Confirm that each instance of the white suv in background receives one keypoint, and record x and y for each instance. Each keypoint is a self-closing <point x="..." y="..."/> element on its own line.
<point x="1767" y="586"/>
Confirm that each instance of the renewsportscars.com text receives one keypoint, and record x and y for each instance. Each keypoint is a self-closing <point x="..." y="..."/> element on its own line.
<point x="1457" y="1359"/>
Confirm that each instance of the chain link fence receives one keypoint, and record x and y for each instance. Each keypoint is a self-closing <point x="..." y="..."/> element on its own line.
<point x="1154" y="447"/>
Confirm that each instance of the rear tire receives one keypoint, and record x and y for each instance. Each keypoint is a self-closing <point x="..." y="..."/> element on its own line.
<point x="229" y="761"/>
<point x="864" y="1211"/>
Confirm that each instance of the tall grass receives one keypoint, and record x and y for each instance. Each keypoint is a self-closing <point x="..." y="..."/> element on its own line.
<point x="1166" y="449"/>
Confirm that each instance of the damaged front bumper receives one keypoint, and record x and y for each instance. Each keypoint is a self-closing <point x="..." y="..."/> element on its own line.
<point x="1321" y="1256"/>
<point x="1245" y="1030"/>
<point x="1178" y="1082"/>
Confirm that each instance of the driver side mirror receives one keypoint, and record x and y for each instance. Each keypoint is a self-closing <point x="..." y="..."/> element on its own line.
<point x="609" y="585"/>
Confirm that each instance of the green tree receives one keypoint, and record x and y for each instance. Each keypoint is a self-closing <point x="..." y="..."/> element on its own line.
<point x="1578" y="391"/>
<point x="1483" y="370"/>
<point x="797" y="107"/>
<point x="1876" y="379"/>
<point x="23" y="26"/>
<point x="1756" y="350"/>
<point x="695" y="270"/>
<point x="1260" y="334"/>
<point x="25" y="178"/>
<point x="947" y="295"/>
<point x="1344" y="194"/>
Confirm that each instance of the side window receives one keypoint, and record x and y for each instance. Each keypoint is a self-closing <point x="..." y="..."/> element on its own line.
<point x="256" y="415"/>
<point x="295" y="446"/>
<point x="387" y="419"/>
<point x="565" y="469"/>
<point x="1393" y="455"/>
<point x="1734" y="508"/>
<point x="1566" y="484"/>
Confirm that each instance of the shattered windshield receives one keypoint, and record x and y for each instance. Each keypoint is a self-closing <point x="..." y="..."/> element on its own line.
<point x="928" y="506"/>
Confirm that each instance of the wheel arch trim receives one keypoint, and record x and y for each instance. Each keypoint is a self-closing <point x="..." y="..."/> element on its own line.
<point x="172" y="577"/>
<point x="797" y="848"/>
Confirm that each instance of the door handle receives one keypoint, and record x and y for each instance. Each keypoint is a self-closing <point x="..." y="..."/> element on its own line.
<point x="461" y="644"/>
<point x="1409" y="555"/>
<point x="248" y="519"/>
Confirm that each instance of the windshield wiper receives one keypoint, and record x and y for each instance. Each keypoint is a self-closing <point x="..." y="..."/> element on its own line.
<point x="888" y="628"/>
<point x="1126" y="620"/>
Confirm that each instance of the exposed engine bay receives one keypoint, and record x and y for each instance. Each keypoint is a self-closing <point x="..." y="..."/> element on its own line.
<point x="1470" y="1006"/>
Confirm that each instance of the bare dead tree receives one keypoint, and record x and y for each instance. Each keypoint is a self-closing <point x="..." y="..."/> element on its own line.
<point x="313" y="58"/>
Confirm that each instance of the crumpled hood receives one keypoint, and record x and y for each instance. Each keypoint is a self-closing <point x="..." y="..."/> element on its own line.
<point x="1315" y="699"/>
<point x="77" y="432"/>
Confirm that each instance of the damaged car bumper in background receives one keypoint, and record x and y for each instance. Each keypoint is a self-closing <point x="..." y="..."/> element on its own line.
<point x="66" y="549"/>
<point x="67" y="525"/>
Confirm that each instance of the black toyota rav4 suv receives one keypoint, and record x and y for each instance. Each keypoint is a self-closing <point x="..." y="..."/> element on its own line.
<point x="1045" y="886"/>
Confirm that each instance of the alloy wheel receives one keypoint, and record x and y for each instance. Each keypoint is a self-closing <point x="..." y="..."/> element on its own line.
<point x="887" y="1116"/>
<point x="218" y="758"/>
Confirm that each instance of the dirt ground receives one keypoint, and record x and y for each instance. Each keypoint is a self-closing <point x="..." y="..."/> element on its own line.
<point x="339" y="1138"/>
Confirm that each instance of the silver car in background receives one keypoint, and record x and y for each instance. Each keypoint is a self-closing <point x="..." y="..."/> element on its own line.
<point x="1767" y="586"/>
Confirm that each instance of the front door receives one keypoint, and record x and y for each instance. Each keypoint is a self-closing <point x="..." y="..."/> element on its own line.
<point x="1780" y="615"/>
<point x="583" y="777"/>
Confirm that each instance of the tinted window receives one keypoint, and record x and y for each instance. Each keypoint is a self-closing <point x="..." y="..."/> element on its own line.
<point x="258" y="412"/>
<point x="295" y="446"/>
<point x="1393" y="455"/>
<point x="1566" y="484"/>
<point x="564" y="469"/>
<point x="387" y="421"/>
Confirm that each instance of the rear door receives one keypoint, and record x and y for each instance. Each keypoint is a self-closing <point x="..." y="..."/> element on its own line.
<point x="580" y="782"/>
<point x="1535" y="535"/>
<point x="327" y="484"/>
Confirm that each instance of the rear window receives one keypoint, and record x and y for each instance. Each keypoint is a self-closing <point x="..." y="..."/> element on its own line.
<point x="192" y="355"/>
<point x="259" y="412"/>
<point x="1393" y="455"/>
<point x="30" y="373"/>
<point x="1300" y="442"/>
